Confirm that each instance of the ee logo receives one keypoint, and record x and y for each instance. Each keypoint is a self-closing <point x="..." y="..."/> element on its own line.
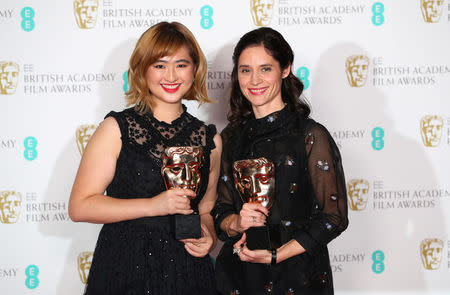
<point x="303" y="75"/>
<point x="206" y="21"/>
<point x="125" y="87"/>
<point x="30" y="144"/>
<point x="378" y="262"/>
<point x="31" y="272"/>
<point x="378" y="17"/>
<point x="378" y="141"/>
<point x="27" y="14"/>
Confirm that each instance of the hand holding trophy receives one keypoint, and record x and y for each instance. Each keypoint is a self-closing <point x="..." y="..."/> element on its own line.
<point x="255" y="181"/>
<point x="181" y="169"/>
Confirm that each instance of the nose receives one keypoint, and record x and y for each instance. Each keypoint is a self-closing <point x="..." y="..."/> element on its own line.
<point x="255" y="78"/>
<point x="187" y="173"/>
<point x="255" y="187"/>
<point x="171" y="74"/>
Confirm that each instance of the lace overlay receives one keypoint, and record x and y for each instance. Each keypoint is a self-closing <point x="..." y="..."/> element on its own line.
<point x="141" y="256"/>
<point x="310" y="203"/>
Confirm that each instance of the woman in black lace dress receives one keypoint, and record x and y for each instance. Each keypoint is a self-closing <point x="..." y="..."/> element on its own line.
<point x="136" y="252"/>
<point x="268" y="119"/>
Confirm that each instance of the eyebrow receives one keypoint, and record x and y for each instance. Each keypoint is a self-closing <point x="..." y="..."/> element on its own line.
<point x="261" y="66"/>
<point x="177" y="61"/>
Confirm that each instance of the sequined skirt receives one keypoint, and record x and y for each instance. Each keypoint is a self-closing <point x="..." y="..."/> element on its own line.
<point x="142" y="257"/>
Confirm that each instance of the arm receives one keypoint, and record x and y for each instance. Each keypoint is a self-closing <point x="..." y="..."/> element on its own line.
<point x="229" y="217"/>
<point x="329" y="217"/>
<point x="87" y="200"/>
<point x="328" y="191"/>
<point x="201" y="247"/>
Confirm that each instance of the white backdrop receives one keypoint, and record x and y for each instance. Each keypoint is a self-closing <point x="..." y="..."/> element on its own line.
<point x="378" y="77"/>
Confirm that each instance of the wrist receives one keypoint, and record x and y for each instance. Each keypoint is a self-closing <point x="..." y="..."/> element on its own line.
<point x="273" y="259"/>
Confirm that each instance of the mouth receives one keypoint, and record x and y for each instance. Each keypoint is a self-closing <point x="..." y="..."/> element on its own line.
<point x="171" y="88"/>
<point x="258" y="91"/>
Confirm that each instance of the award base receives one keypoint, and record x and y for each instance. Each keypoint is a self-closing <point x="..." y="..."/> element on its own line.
<point x="187" y="226"/>
<point x="258" y="238"/>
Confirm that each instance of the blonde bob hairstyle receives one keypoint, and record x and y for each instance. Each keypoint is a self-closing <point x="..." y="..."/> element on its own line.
<point x="164" y="39"/>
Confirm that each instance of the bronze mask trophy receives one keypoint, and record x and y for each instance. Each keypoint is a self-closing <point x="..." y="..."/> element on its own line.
<point x="181" y="169"/>
<point x="255" y="181"/>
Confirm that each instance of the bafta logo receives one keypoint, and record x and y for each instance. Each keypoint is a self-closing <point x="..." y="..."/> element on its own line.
<point x="10" y="204"/>
<point x="85" y="13"/>
<point x="431" y="130"/>
<point x="9" y="76"/>
<point x="357" y="68"/>
<point x="83" y="134"/>
<point x="262" y="11"/>
<point x="358" y="194"/>
<point x="84" y="265"/>
<point x="431" y="10"/>
<point x="431" y="253"/>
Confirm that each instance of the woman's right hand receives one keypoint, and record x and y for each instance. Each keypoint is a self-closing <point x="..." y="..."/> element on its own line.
<point x="252" y="215"/>
<point x="174" y="201"/>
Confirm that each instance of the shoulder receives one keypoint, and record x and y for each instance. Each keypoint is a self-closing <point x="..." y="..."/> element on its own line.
<point x="230" y="132"/>
<point x="130" y="112"/>
<point x="120" y="120"/>
<point x="316" y="128"/>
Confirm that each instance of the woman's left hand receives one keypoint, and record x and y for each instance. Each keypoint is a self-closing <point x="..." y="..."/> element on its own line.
<point x="199" y="247"/>
<point x="247" y="255"/>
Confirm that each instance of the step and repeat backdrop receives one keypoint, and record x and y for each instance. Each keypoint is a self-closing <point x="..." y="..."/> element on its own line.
<point x="377" y="75"/>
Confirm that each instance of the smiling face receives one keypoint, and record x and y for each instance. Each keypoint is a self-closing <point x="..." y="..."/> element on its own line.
<point x="255" y="180"/>
<point x="170" y="77"/>
<point x="260" y="78"/>
<point x="181" y="167"/>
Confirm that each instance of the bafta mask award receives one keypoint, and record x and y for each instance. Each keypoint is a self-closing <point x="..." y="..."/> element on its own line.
<point x="181" y="169"/>
<point x="255" y="181"/>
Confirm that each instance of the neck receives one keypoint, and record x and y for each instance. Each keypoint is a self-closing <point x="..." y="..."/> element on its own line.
<point x="167" y="112"/>
<point x="264" y="110"/>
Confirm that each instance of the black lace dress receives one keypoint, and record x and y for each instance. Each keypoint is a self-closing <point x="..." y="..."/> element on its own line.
<point x="140" y="256"/>
<point x="310" y="204"/>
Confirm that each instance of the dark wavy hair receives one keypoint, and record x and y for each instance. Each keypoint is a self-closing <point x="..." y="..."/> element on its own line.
<point x="291" y="87"/>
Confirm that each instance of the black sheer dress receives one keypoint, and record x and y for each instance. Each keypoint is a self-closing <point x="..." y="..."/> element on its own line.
<point x="140" y="256"/>
<point x="310" y="204"/>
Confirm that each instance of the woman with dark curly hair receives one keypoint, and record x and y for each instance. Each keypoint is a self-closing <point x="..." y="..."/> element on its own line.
<point x="304" y="185"/>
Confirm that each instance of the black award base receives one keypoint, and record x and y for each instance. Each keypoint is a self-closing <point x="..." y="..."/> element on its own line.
<point x="187" y="226"/>
<point x="258" y="238"/>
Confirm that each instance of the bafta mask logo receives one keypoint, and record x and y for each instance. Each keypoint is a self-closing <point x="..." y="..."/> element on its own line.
<point x="262" y="11"/>
<point x="431" y="10"/>
<point x="10" y="204"/>
<point x="358" y="194"/>
<point x="84" y="261"/>
<point x="357" y="69"/>
<point x="83" y="134"/>
<point x="85" y="13"/>
<point x="431" y="253"/>
<point x="431" y="130"/>
<point x="9" y="76"/>
<point x="181" y="167"/>
<point x="255" y="181"/>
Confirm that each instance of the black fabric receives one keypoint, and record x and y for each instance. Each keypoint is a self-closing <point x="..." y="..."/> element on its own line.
<point x="310" y="203"/>
<point x="142" y="256"/>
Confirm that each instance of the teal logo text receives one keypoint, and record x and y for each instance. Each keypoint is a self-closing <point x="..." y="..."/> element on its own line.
<point x="27" y="14"/>
<point x="31" y="272"/>
<point x="206" y="13"/>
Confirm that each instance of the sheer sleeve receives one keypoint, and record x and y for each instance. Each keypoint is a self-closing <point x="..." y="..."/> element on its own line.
<point x="226" y="203"/>
<point x="326" y="177"/>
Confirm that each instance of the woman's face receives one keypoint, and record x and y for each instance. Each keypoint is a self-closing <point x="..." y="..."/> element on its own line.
<point x="170" y="77"/>
<point x="260" y="78"/>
